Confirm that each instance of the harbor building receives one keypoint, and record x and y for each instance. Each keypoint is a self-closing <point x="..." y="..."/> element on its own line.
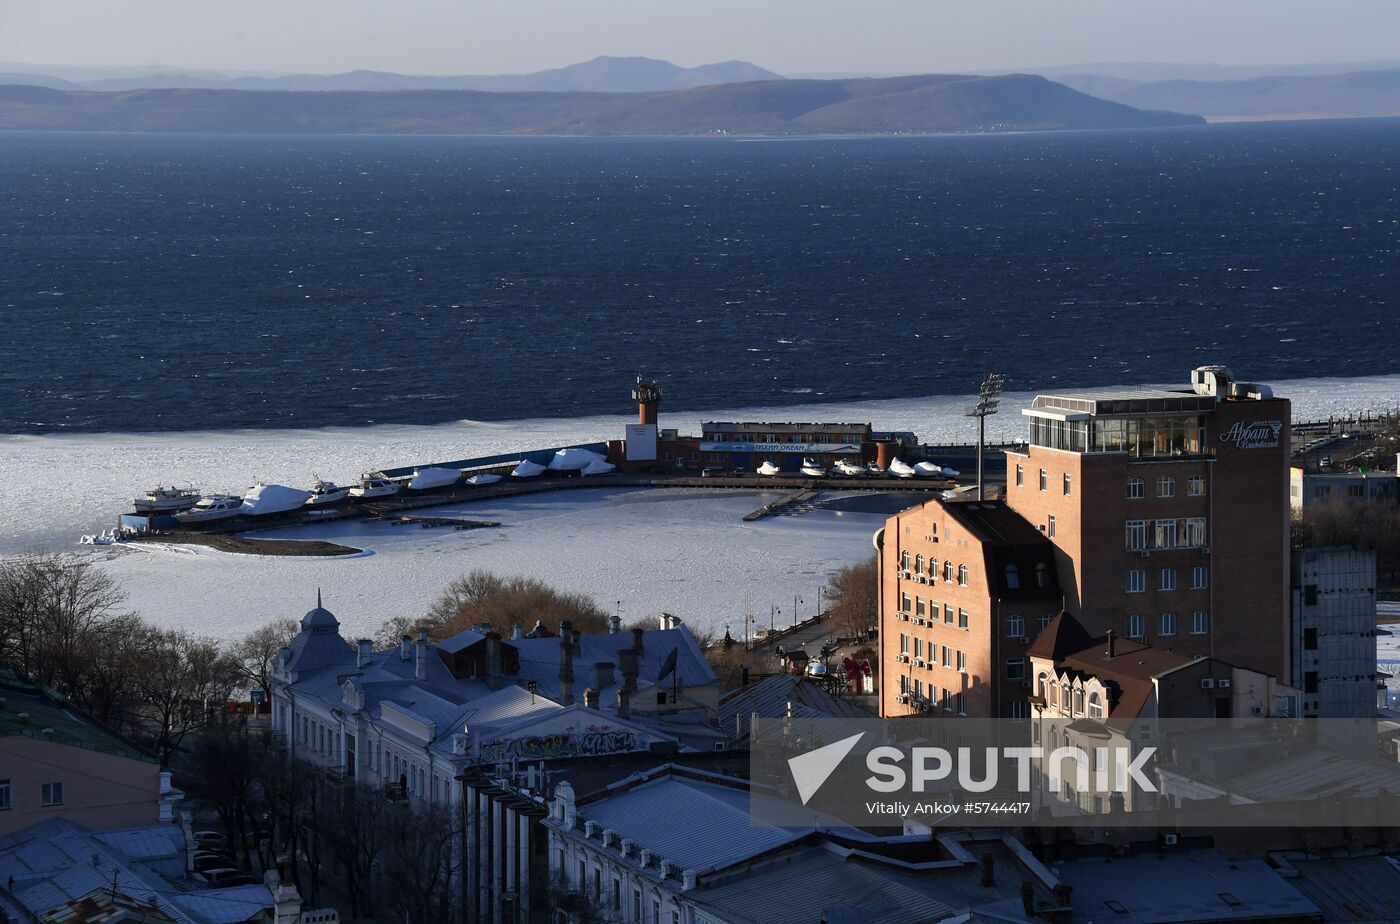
<point x="1169" y="513"/>
<point x="1334" y="631"/>
<point x="742" y="446"/>
<point x="963" y="588"/>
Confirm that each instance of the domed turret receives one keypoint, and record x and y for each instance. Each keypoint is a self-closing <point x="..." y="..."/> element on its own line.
<point x="320" y="619"/>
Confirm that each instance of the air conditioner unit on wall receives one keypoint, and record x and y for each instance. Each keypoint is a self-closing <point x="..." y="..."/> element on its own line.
<point x="1207" y="683"/>
<point x="1224" y="684"/>
<point x="902" y="699"/>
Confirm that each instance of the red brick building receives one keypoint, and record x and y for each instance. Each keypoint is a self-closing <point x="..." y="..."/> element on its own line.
<point x="1169" y="513"/>
<point x="964" y="586"/>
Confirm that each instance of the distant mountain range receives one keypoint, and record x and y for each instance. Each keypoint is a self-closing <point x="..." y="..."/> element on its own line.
<point x="601" y="75"/>
<point x="898" y="105"/>
<point x="1375" y="92"/>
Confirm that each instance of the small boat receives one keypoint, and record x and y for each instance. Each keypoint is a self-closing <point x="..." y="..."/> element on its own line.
<point x="573" y="460"/>
<point x="266" y="499"/>
<point x="927" y="470"/>
<point x="161" y="499"/>
<point x="811" y="469"/>
<point x="372" y="485"/>
<point x="874" y="468"/>
<point x="768" y="468"/>
<point x="212" y="507"/>
<point x="951" y="472"/>
<point x="849" y="469"/>
<point x="528" y="469"/>
<point x="484" y="478"/>
<point x="326" y="492"/>
<point x="428" y="479"/>
<point x="900" y="469"/>
<point x="598" y="467"/>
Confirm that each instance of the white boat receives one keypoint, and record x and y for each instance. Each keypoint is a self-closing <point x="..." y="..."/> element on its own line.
<point x="212" y="507"/>
<point x="372" y="485"/>
<point x="573" y="460"/>
<point x="266" y="499"/>
<point x="598" y="467"/>
<point x="811" y="469"/>
<point x="326" y="492"/>
<point x="951" y="472"/>
<point x="528" y="469"/>
<point x="849" y="468"/>
<point x="161" y="499"/>
<point x="484" y="478"/>
<point x="927" y="470"/>
<point x="768" y="468"/>
<point x="874" y="468"/>
<point x="900" y="469"/>
<point x="427" y="479"/>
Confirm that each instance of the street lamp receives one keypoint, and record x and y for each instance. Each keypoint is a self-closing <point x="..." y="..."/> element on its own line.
<point x="988" y="398"/>
<point x="795" y="601"/>
<point x="820" y="588"/>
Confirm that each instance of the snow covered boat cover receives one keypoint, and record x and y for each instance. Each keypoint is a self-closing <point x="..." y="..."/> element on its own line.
<point x="951" y="472"/>
<point x="573" y="460"/>
<point x="427" y="478"/>
<point x="598" y="467"/>
<point x="927" y="470"/>
<point x="484" y="478"/>
<point x="263" y="499"/>
<point x="768" y="468"/>
<point x="527" y="469"/>
<point x="898" y="467"/>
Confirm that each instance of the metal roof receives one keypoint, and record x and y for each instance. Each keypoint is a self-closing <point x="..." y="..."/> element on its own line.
<point x="1197" y="886"/>
<point x="28" y="710"/>
<point x="693" y="824"/>
<point x="771" y="697"/>
<point x="1352" y="888"/>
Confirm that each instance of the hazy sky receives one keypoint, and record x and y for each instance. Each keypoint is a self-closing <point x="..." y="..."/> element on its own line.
<point x="789" y="36"/>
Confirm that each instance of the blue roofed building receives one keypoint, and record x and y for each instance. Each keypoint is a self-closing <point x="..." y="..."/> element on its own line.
<point x="59" y="871"/>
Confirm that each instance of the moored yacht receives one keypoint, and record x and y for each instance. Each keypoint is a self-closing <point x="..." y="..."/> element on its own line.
<point x="372" y="485"/>
<point x="768" y="468"/>
<point x="161" y="499"/>
<point x="211" y="507"/>
<point x="811" y="469"/>
<point x="326" y="492"/>
<point x="849" y="468"/>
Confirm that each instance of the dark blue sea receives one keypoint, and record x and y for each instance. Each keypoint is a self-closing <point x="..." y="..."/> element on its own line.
<point x="155" y="282"/>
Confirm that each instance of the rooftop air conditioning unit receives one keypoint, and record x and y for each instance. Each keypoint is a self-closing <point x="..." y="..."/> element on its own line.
<point x="1207" y="683"/>
<point x="1223" y="683"/>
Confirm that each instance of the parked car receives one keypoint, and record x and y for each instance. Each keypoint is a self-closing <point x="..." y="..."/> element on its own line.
<point x="714" y="471"/>
<point x="205" y="861"/>
<point x="738" y="472"/>
<point x="227" y="877"/>
<point x="210" y="840"/>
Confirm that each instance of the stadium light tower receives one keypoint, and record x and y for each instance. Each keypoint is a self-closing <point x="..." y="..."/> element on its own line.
<point x="987" y="401"/>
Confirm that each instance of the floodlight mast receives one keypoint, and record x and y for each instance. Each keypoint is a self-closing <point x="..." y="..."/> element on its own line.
<point x="988" y="398"/>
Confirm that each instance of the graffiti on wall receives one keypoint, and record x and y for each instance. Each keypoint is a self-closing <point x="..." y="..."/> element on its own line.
<point x="592" y="741"/>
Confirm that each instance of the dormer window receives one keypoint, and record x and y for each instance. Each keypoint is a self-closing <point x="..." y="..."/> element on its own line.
<point x="1042" y="575"/>
<point x="1095" y="706"/>
<point x="1013" y="577"/>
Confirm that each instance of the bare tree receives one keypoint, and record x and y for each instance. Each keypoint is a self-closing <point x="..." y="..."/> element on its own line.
<point x="483" y="598"/>
<point x="1362" y="523"/>
<point x="256" y="651"/>
<point x="853" y="593"/>
<point x="421" y="858"/>
<point x="182" y="681"/>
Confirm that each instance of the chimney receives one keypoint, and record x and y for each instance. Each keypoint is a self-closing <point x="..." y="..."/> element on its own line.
<point x="191" y="847"/>
<point x="515" y="632"/>
<point x="1111" y="648"/>
<point x="604" y="671"/>
<point x="614" y="624"/>
<point x="405" y="643"/>
<point x="364" y="649"/>
<point x="688" y="878"/>
<point x="743" y="675"/>
<point x="638" y="636"/>
<point x="988" y="876"/>
<point x="624" y="703"/>
<point x="567" y="641"/>
<point x="590" y="698"/>
<point x="493" y="660"/>
<point x="629" y="658"/>
<point x="420" y="667"/>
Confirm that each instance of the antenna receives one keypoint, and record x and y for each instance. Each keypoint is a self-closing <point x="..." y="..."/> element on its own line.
<point x="988" y="400"/>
